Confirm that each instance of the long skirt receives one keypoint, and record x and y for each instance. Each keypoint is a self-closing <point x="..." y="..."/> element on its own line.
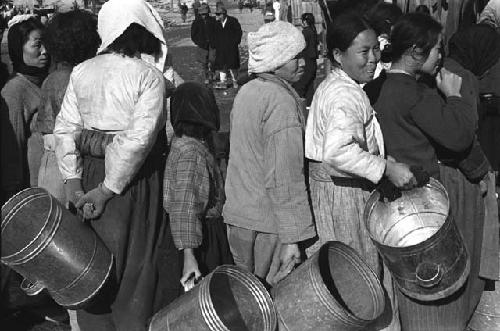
<point x="136" y="230"/>
<point x="452" y="313"/>
<point x="338" y="212"/>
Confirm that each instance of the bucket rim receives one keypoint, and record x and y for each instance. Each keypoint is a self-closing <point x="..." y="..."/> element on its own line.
<point x="47" y="228"/>
<point x="374" y="199"/>
<point x="252" y="283"/>
<point x="368" y="275"/>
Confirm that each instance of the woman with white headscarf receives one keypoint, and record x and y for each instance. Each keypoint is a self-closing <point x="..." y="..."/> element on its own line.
<point x="110" y="146"/>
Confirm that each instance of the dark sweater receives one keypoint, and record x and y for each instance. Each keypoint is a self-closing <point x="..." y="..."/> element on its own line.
<point x="414" y="117"/>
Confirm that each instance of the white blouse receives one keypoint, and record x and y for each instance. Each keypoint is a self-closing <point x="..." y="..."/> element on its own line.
<point x="342" y="130"/>
<point x="114" y="94"/>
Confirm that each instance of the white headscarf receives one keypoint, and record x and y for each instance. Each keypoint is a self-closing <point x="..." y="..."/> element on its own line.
<point x="116" y="16"/>
<point x="273" y="45"/>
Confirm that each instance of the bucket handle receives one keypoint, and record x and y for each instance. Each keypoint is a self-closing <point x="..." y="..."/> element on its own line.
<point x="429" y="274"/>
<point x="31" y="288"/>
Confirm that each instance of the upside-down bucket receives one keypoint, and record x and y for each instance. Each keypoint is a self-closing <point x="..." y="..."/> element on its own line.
<point x="52" y="249"/>
<point x="229" y="298"/>
<point x="332" y="290"/>
<point x="419" y="241"/>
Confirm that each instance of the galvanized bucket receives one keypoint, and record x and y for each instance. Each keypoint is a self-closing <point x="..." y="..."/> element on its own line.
<point x="332" y="290"/>
<point x="229" y="298"/>
<point x="419" y="241"/>
<point x="52" y="249"/>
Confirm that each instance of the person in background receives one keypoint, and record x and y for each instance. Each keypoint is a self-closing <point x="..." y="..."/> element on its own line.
<point x="70" y="39"/>
<point x="4" y="71"/>
<point x="422" y="9"/>
<point x="382" y="18"/>
<point x="276" y="7"/>
<point x="193" y="189"/>
<point x="21" y="97"/>
<point x="184" y="10"/>
<point x="202" y="34"/>
<point x="111" y="145"/>
<point x="196" y="7"/>
<point x="472" y="51"/>
<point x="305" y="85"/>
<point x="268" y="13"/>
<point x="416" y="122"/>
<point x="345" y="145"/>
<point x="267" y="208"/>
<point x="227" y="36"/>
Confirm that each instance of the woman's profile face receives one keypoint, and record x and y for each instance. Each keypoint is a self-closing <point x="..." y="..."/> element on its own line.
<point x="430" y="64"/>
<point x="34" y="53"/>
<point x="360" y="59"/>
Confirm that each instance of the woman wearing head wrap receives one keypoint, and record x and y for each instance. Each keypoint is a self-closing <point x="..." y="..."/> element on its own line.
<point x="417" y="122"/>
<point x="20" y="158"/>
<point x="70" y="39"/>
<point x="193" y="185"/>
<point x="477" y="49"/>
<point x="472" y="52"/>
<point x="110" y="144"/>
<point x="267" y="208"/>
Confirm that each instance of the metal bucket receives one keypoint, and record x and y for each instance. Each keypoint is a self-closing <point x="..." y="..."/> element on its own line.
<point x="332" y="290"/>
<point x="487" y="314"/>
<point x="52" y="249"/>
<point x="229" y="298"/>
<point x="419" y="241"/>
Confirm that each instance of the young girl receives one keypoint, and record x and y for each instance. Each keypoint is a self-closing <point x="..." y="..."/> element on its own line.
<point x="193" y="185"/>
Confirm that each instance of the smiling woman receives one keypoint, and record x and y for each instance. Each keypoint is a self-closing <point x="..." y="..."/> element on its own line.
<point x="344" y="142"/>
<point x="20" y="159"/>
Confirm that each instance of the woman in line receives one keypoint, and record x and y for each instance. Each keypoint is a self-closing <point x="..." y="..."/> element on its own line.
<point x="344" y="142"/>
<point x="193" y="186"/>
<point x="416" y="122"/>
<point x="305" y="85"/>
<point x="21" y="96"/>
<point x="70" y="39"/>
<point x="110" y="143"/>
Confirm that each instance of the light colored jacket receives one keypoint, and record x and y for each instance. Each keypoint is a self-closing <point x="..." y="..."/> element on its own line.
<point x="342" y="130"/>
<point x="118" y="95"/>
<point x="265" y="184"/>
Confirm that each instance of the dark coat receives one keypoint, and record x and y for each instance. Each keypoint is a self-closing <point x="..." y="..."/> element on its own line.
<point x="202" y="32"/>
<point x="227" y="39"/>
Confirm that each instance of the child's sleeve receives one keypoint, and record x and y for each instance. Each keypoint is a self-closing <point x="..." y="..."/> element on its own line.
<point x="189" y="198"/>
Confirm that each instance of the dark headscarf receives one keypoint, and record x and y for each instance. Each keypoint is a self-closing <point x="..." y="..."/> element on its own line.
<point x="16" y="38"/>
<point x="192" y="102"/>
<point x="476" y="48"/>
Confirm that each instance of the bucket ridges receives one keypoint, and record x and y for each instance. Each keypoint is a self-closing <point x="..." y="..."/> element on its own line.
<point x="10" y="215"/>
<point x="259" y="293"/>
<point x="16" y="196"/>
<point x="49" y="229"/>
<point x="91" y="295"/>
<point x="84" y="271"/>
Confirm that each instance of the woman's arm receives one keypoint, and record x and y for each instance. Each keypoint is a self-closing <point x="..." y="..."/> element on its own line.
<point x="129" y="149"/>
